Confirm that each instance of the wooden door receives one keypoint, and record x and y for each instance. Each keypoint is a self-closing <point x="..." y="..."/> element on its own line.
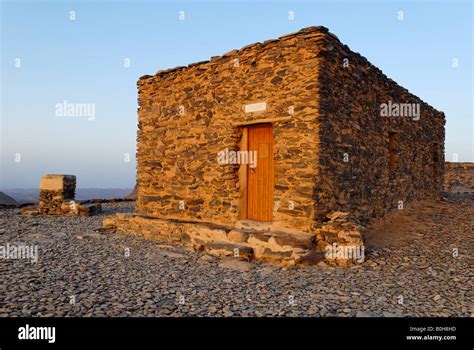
<point x="260" y="179"/>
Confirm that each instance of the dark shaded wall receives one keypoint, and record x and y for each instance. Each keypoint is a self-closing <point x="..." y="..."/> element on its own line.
<point x="352" y="91"/>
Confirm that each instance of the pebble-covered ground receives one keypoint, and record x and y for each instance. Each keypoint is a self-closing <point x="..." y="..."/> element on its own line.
<point x="421" y="264"/>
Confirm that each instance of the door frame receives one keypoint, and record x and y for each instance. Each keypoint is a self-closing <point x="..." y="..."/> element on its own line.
<point x="244" y="146"/>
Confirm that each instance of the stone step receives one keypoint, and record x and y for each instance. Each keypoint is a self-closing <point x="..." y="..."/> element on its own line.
<point x="243" y="243"/>
<point x="229" y="249"/>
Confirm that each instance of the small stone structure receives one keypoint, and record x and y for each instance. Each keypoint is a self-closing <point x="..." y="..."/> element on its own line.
<point x="57" y="192"/>
<point x="54" y="191"/>
<point x="337" y="144"/>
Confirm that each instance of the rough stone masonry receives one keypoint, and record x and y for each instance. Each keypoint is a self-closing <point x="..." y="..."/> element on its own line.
<point x="56" y="197"/>
<point x="54" y="190"/>
<point x="349" y="146"/>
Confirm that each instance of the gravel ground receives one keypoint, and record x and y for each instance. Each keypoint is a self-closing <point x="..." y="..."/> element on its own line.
<point x="412" y="269"/>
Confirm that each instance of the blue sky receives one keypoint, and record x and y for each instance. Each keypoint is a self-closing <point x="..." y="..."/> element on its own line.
<point x="83" y="61"/>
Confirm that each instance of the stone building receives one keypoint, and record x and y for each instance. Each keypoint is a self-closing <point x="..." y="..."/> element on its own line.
<point x="279" y="150"/>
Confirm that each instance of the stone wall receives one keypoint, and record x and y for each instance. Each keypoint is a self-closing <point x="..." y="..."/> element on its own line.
<point x="355" y="156"/>
<point x="187" y="115"/>
<point x="459" y="177"/>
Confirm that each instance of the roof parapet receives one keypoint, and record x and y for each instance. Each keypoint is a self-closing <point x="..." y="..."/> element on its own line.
<point x="307" y="30"/>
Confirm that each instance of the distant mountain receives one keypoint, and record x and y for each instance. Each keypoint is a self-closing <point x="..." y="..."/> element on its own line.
<point x="30" y="195"/>
<point x="27" y="195"/>
<point x="6" y="199"/>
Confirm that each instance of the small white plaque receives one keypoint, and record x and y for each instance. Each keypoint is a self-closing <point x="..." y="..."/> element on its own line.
<point x="256" y="107"/>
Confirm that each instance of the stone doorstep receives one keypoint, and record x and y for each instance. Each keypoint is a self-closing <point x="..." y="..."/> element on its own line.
<point x="218" y="240"/>
<point x="239" y="233"/>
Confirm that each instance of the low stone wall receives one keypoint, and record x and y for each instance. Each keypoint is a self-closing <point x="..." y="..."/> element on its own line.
<point x="459" y="177"/>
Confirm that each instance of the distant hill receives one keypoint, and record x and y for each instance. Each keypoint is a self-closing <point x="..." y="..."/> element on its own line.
<point x="6" y="199"/>
<point x="30" y="195"/>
